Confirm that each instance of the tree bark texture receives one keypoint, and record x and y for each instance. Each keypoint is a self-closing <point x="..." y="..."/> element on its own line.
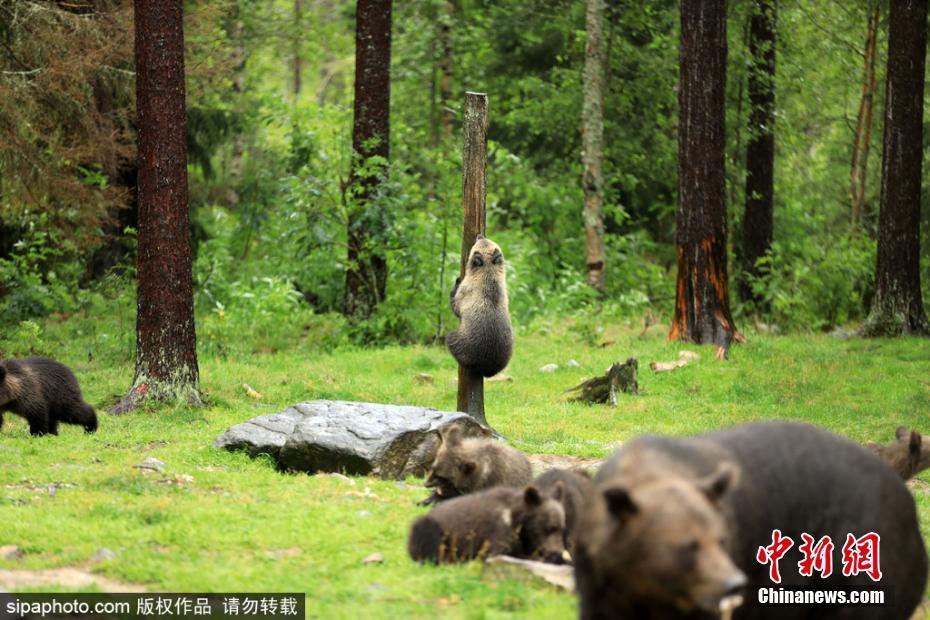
<point x="760" y="150"/>
<point x="863" y="136"/>
<point x="702" y="306"/>
<point x="166" y="355"/>
<point x="474" y="203"/>
<point x="897" y="307"/>
<point x="593" y="141"/>
<point x="366" y="271"/>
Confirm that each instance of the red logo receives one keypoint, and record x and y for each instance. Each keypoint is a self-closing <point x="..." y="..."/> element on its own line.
<point x="773" y="553"/>
<point x="817" y="557"/>
<point x="860" y="555"/>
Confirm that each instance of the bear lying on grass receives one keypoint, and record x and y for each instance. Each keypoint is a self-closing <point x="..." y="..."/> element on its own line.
<point x="465" y="465"/>
<point x="501" y="521"/>
<point x="44" y="392"/>
<point x="674" y="526"/>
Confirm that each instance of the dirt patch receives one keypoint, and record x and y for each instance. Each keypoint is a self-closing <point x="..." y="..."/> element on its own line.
<point x="65" y="578"/>
<point x="543" y="462"/>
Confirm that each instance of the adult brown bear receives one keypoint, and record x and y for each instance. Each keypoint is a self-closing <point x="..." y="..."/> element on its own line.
<point x="675" y="525"/>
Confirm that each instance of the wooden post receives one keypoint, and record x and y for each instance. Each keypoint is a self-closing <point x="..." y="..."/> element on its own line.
<point x="474" y="199"/>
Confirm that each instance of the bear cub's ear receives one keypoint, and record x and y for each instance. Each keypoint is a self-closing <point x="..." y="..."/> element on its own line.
<point x="716" y="485"/>
<point x="531" y="496"/>
<point x="451" y="435"/>
<point x="619" y="502"/>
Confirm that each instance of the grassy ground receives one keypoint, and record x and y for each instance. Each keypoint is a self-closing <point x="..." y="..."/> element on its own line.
<point x="215" y="521"/>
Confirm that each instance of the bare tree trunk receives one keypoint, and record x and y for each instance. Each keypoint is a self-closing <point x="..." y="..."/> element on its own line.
<point x="470" y="398"/>
<point x="593" y="140"/>
<point x="298" y="34"/>
<point x="235" y="29"/>
<point x="898" y="307"/>
<point x="366" y="271"/>
<point x="863" y="137"/>
<point x="702" y="307"/>
<point x="445" y="67"/>
<point x="760" y="151"/>
<point x="166" y="351"/>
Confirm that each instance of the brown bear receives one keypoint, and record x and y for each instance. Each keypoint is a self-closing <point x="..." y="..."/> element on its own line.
<point x="483" y="342"/>
<point x="907" y="455"/>
<point x="674" y="526"/>
<point x="465" y="465"/>
<point x="523" y="523"/>
<point x="45" y="392"/>
<point x="576" y="483"/>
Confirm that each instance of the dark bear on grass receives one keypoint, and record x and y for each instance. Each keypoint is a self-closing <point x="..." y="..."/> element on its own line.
<point x="675" y="524"/>
<point x="522" y="523"/>
<point x="908" y="455"/>
<point x="576" y="484"/>
<point x="45" y="392"/>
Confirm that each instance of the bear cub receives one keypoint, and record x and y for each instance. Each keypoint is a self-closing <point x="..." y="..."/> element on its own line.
<point x="576" y="484"/>
<point x="44" y="392"/>
<point x="465" y="465"/>
<point x="483" y="342"/>
<point x="523" y="523"/>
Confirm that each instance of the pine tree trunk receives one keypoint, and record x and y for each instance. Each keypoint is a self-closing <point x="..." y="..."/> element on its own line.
<point x="863" y="136"/>
<point x="702" y="307"/>
<point x="235" y="30"/>
<point x="166" y="352"/>
<point x="593" y="139"/>
<point x="760" y="151"/>
<point x="897" y="307"/>
<point x="366" y="271"/>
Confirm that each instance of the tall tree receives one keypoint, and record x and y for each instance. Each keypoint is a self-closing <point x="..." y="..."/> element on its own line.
<point x="298" y="37"/>
<point x="166" y="352"/>
<point x="863" y="136"/>
<point x="897" y="307"/>
<point x="445" y="67"/>
<point x="366" y="271"/>
<point x="593" y="139"/>
<point x="760" y="150"/>
<point x="702" y="307"/>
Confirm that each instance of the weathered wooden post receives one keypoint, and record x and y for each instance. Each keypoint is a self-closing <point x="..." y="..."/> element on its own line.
<point x="474" y="202"/>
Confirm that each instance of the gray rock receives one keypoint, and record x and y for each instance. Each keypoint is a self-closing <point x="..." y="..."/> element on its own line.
<point x="103" y="554"/>
<point x="151" y="463"/>
<point x="549" y="368"/>
<point x="355" y="438"/>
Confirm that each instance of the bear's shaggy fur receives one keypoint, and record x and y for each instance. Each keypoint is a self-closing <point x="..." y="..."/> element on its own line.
<point x="576" y="484"/>
<point x="465" y="465"/>
<point x="483" y="342"/>
<point x="669" y="514"/>
<point x="521" y="523"/>
<point x="45" y="392"/>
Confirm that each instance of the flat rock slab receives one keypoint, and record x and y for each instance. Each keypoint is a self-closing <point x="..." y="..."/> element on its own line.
<point x="390" y="441"/>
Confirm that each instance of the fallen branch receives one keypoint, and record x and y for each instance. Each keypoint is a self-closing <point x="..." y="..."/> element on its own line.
<point x="684" y="358"/>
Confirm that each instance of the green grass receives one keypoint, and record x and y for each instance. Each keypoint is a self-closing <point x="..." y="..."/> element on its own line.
<point x="240" y="525"/>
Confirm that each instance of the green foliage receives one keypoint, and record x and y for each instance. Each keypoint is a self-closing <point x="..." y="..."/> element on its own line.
<point x="818" y="287"/>
<point x="33" y="284"/>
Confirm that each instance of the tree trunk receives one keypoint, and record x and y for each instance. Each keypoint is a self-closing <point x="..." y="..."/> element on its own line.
<point x="470" y="397"/>
<point x="593" y="139"/>
<point x="166" y="351"/>
<point x="366" y="271"/>
<point x="235" y="30"/>
<point x="298" y="35"/>
<point x="445" y="67"/>
<point x="760" y="151"/>
<point x="702" y="307"/>
<point x="863" y="138"/>
<point x="897" y="307"/>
